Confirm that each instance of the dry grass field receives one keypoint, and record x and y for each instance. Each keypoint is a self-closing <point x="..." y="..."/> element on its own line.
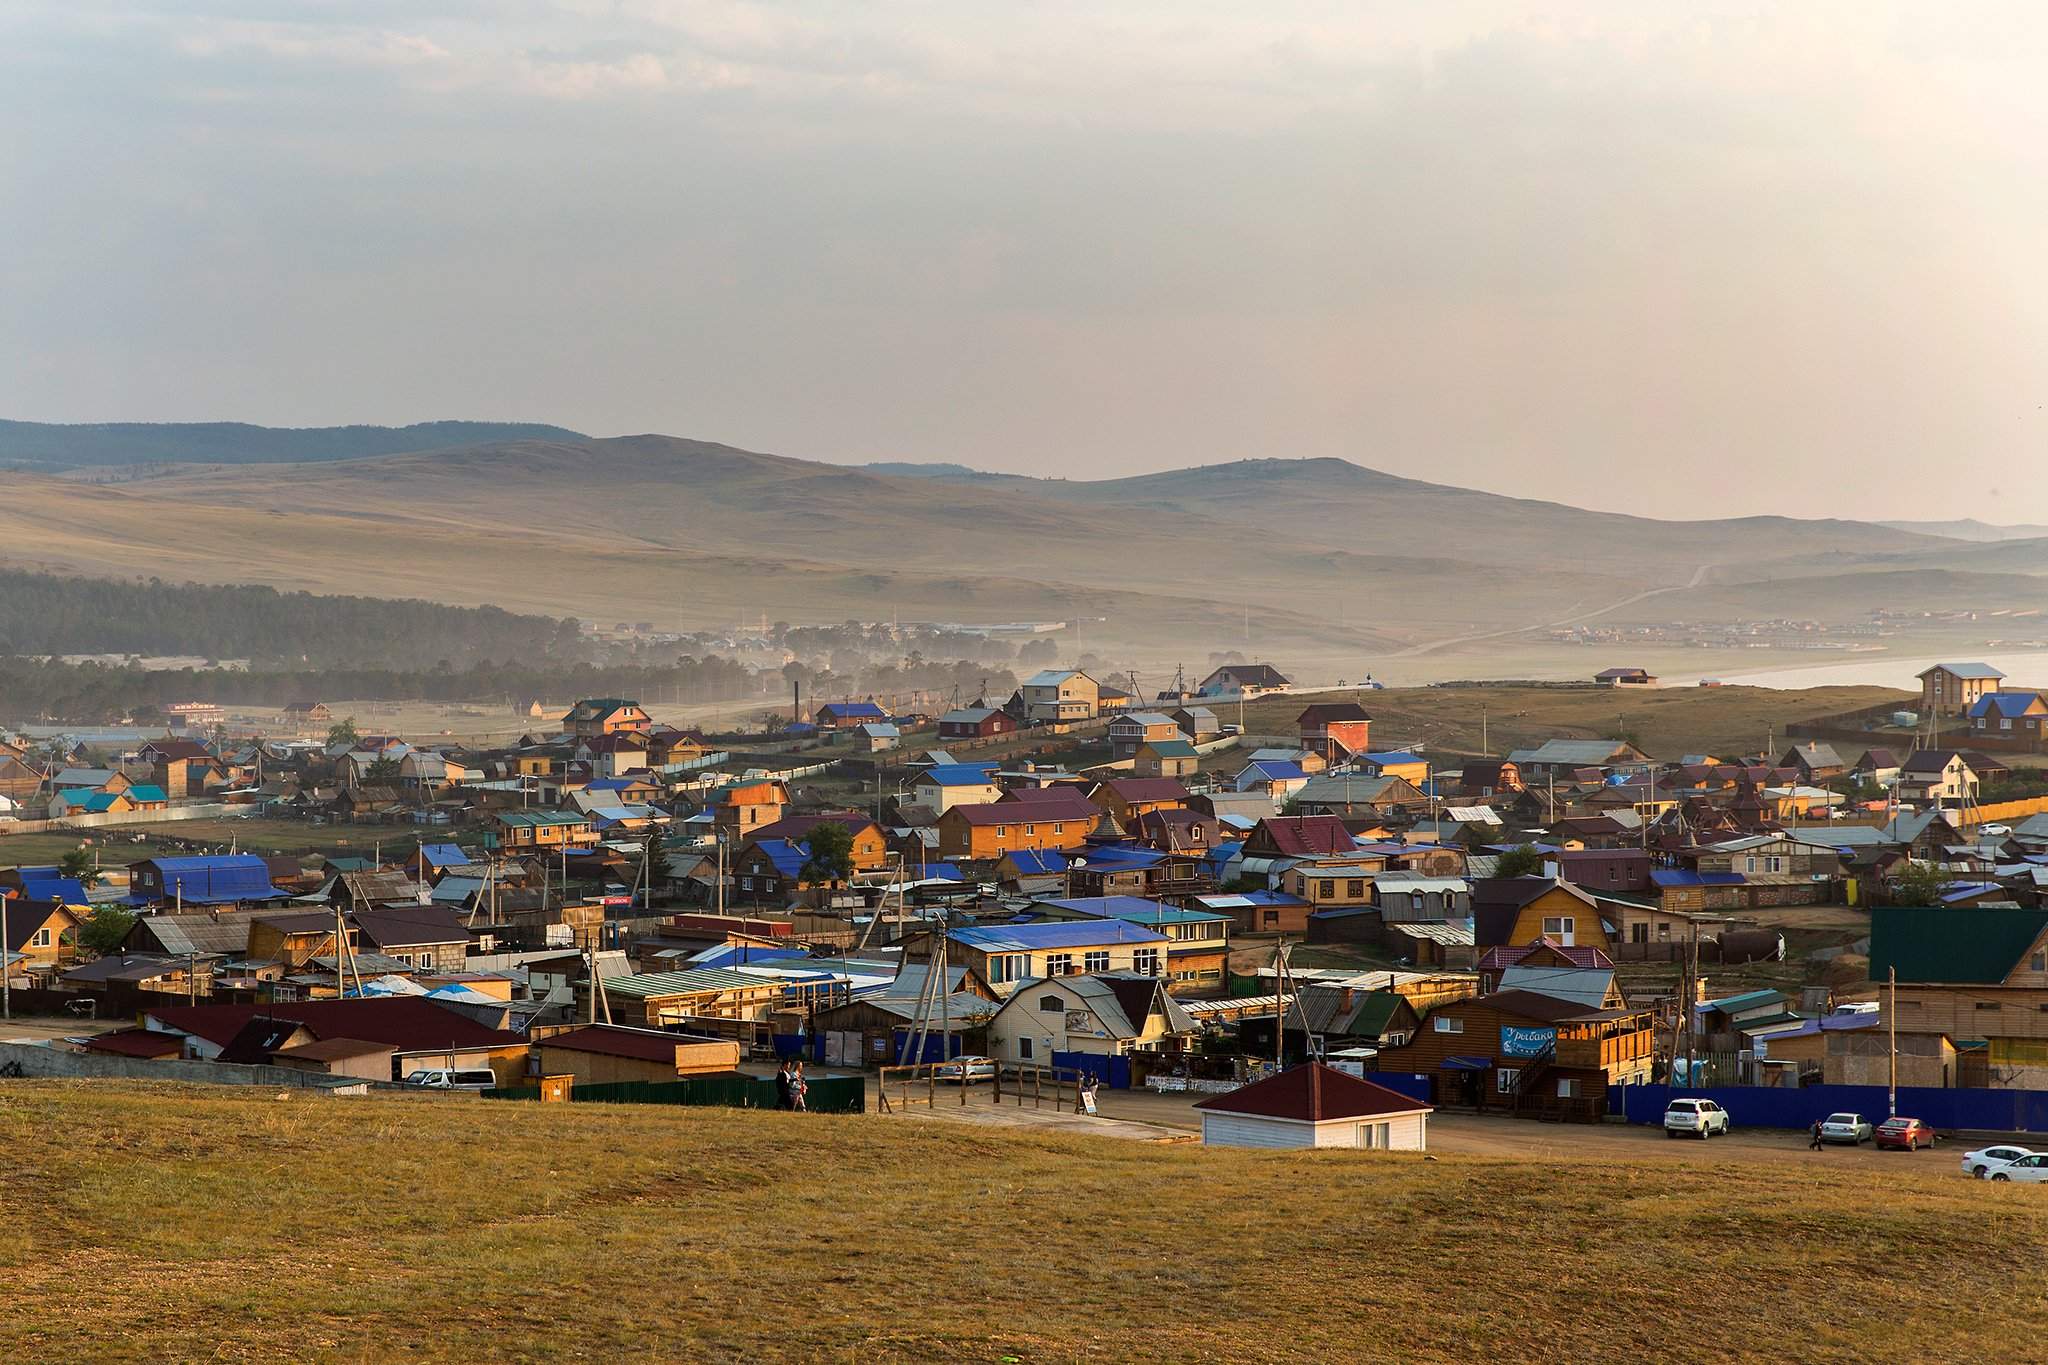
<point x="184" y="1224"/>
<point x="1667" y="721"/>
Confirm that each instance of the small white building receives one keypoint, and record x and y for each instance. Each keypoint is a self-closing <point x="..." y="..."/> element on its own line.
<point x="1316" y="1106"/>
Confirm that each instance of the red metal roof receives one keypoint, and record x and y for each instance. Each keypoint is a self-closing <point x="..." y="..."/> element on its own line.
<point x="1313" y="1093"/>
<point x="137" y="1042"/>
<point x="619" y="1042"/>
<point x="407" y="1023"/>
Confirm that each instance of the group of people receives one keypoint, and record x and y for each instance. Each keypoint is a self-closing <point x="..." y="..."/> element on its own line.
<point x="790" y="1086"/>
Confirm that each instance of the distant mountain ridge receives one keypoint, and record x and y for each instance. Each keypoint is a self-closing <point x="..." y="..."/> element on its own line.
<point x="1968" y="528"/>
<point x="55" y="445"/>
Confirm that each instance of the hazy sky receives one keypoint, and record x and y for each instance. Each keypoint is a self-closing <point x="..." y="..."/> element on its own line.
<point x="1678" y="258"/>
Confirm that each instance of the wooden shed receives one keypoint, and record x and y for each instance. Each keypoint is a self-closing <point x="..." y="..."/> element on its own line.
<point x="600" y="1054"/>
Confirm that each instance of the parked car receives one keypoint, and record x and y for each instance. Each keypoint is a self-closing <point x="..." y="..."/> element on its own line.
<point x="975" y="1069"/>
<point x="2033" y="1168"/>
<point x="1905" y="1135"/>
<point x="458" y="1078"/>
<point x="1853" y="1129"/>
<point x="1985" y="1160"/>
<point x="1701" y="1118"/>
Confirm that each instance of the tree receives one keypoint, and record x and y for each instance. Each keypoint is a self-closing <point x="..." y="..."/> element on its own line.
<point x="343" y="732"/>
<point x="830" y="859"/>
<point x="382" y="773"/>
<point x="103" y="931"/>
<point x="1521" y="861"/>
<point x="78" y="863"/>
<point x="1918" y="883"/>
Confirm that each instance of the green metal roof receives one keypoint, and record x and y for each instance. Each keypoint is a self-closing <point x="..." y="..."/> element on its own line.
<point x="649" y="984"/>
<point x="1958" y="945"/>
<point x="541" y="818"/>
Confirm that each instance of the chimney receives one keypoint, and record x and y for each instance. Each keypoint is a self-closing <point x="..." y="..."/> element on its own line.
<point x="1344" y="999"/>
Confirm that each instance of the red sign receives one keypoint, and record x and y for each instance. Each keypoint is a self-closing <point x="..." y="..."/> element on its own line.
<point x="615" y="900"/>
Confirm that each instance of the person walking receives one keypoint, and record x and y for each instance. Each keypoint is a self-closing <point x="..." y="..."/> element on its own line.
<point x="1813" y="1134"/>
<point x="785" y="1090"/>
<point x="798" y="1087"/>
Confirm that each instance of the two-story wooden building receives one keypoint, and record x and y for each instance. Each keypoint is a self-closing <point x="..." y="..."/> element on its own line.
<point x="1971" y="974"/>
<point x="1528" y="1053"/>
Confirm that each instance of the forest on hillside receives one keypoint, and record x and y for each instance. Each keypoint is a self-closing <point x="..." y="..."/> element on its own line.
<point x="43" y="614"/>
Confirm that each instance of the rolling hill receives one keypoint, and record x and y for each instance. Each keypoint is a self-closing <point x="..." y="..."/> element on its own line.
<point x="52" y="445"/>
<point x="1327" y="562"/>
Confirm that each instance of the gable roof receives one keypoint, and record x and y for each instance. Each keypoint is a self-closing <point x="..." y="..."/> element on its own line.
<point x="956" y="775"/>
<point x="406" y="1022"/>
<point x="1135" y="789"/>
<point x="1297" y="836"/>
<point x="610" y="1040"/>
<point x="1972" y="670"/>
<point x="1326" y="712"/>
<point x="1025" y="812"/>
<point x="1313" y="1093"/>
<point x="1959" y="945"/>
<point x="2005" y="704"/>
<point x="1025" y="938"/>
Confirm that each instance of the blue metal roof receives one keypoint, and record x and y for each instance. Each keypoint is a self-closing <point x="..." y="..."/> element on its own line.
<point x="444" y="855"/>
<point x="43" y="884"/>
<point x="1026" y="938"/>
<point x="1038" y="862"/>
<point x="958" y="774"/>
<point x="788" y="858"/>
<point x="853" y="708"/>
<point x="214" y="880"/>
<point x="1116" y="858"/>
<point x="2006" y="704"/>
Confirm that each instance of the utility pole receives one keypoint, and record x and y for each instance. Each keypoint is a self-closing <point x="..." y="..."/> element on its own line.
<point x="6" y="967"/>
<point x="1891" y="1022"/>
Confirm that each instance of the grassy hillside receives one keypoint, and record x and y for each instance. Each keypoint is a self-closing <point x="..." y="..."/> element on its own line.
<point x="174" y="1223"/>
<point x="1331" y="562"/>
<point x="60" y="445"/>
<point x="1668" y="722"/>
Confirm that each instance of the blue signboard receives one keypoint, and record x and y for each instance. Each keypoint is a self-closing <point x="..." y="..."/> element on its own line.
<point x="1526" y="1042"/>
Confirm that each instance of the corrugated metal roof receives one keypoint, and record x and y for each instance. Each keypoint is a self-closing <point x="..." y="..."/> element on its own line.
<point x="648" y="985"/>
<point x="1025" y="938"/>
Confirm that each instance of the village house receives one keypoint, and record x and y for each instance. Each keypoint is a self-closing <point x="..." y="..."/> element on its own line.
<point x="1943" y="776"/>
<point x="946" y="785"/>
<point x="656" y="1000"/>
<point x="201" y="880"/>
<point x="420" y="1034"/>
<point x="1814" y="761"/>
<point x="38" y="938"/>
<point x="307" y="713"/>
<point x="1124" y="800"/>
<point x="1103" y="1015"/>
<point x="2010" y="713"/>
<point x="1514" y="910"/>
<point x="1198" y="723"/>
<point x="848" y="715"/>
<point x="1132" y="730"/>
<point x="1951" y="689"/>
<point x="1313" y="1105"/>
<point x="869" y="847"/>
<point x="519" y="829"/>
<point x="976" y="722"/>
<point x="1005" y="955"/>
<point x="615" y="754"/>
<point x="604" y="716"/>
<point x="1355" y="796"/>
<point x="1243" y="680"/>
<point x="607" y="1054"/>
<point x="985" y="833"/>
<point x="739" y="810"/>
<point x="1299" y="836"/>
<point x="1625" y="677"/>
<point x="1971" y="975"/>
<point x="1528" y="1053"/>
<point x="1334" y="730"/>
<point x="1174" y="759"/>
<point x="1198" y="941"/>
<point x="1059" y="695"/>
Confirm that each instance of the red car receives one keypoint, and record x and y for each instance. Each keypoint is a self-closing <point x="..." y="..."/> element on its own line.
<point x="1905" y="1135"/>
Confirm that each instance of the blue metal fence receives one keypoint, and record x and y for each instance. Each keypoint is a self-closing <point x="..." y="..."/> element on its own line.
<point x="1414" y="1086"/>
<point x="1114" y="1072"/>
<point x="1994" y="1111"/>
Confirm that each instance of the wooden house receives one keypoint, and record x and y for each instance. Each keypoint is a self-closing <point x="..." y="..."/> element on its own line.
<point x="603" y="1054"/>
<point x="1104" y="1015"/>
<point x="978" y="833"/>
<point x="1513" y="910"/>
<point x="1528" y="1053"/>
<point x="1123" y="800"/>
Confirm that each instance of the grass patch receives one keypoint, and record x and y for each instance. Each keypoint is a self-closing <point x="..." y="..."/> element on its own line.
<point x="178" y="1222"/>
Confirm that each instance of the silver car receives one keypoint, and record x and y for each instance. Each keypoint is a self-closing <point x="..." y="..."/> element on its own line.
<point x="1853" y="1129"/>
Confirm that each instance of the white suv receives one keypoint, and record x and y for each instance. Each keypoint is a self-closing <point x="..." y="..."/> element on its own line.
<point x="1701" y="1118"/>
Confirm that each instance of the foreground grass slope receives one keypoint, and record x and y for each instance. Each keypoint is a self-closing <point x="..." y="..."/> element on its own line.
<point x="156" y="1223"/>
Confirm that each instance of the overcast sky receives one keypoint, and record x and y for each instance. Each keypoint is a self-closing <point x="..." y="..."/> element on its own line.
<point x="1680" y="258"/>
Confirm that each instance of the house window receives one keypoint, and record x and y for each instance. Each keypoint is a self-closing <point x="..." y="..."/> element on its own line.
<point x="1326" y="889"/>
<point x="1560" y="927"/>
<point x="1568" y="1087"/>
<point x="1664" y="930"/>
<point x="1059" y="829"/>
<point x="1504" y="1080"/>
<point x="1443" y="1024"/>
<point x="1145" y="962"/>
<point x="1052" y="1004"/>
<point x="1024" y="1049"/>
<point x="1030" y="830"/>
<point x="1354" y="888"/>
<point x="1097" y="961"/>
<point x="41" y="939"/>
<point x="1639" y="933"/>
<point x="1059" y="964"/>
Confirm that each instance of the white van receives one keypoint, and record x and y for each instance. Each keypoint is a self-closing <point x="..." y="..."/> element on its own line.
<point x="446" y="1078"/>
